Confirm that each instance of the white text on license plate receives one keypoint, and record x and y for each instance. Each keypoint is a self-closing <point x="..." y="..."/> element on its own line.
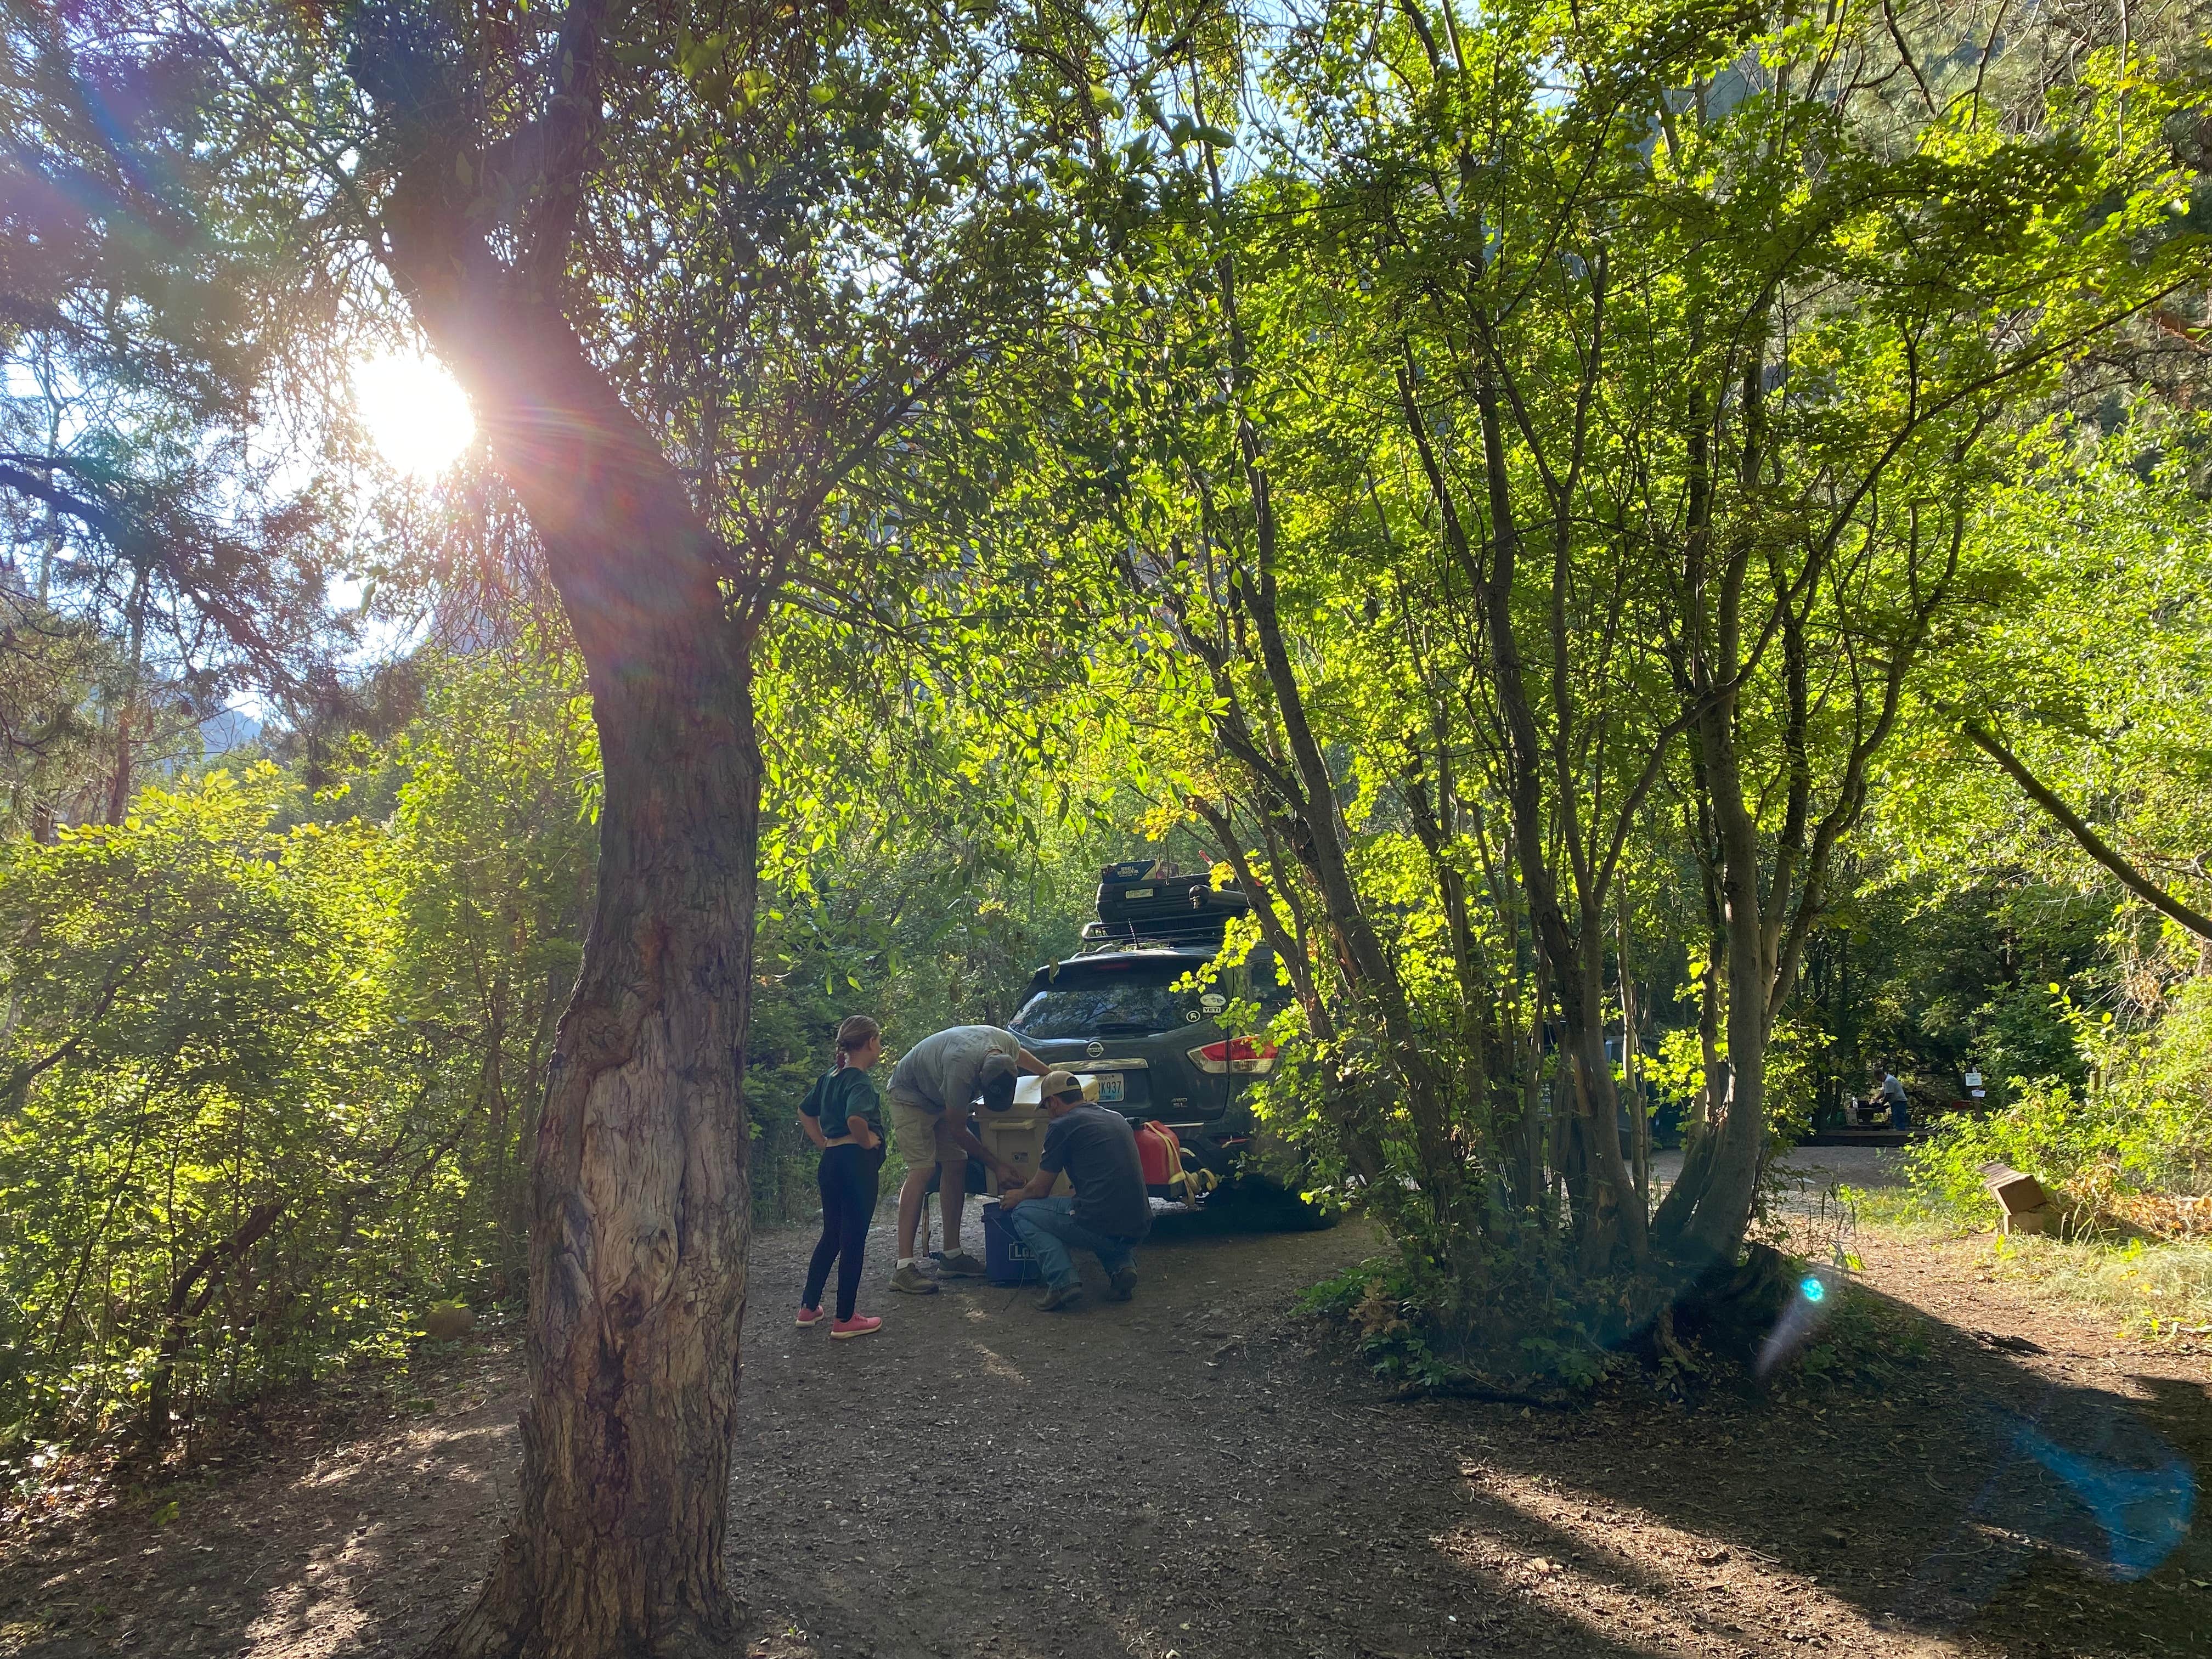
<point x="1110" y="1085"/>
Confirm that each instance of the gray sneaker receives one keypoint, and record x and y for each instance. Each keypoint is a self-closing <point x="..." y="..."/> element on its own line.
<point x="962" y="1265"/>
<point x="914" y="1282"/>
<point x="1057" y="1296"/>
<point x="1123" y="1283"/>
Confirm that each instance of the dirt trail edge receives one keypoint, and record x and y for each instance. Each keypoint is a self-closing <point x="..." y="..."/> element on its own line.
<point x="1183" y="1475"/>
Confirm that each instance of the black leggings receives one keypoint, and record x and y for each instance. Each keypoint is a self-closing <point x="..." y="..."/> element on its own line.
<point x="847" y="1180"/>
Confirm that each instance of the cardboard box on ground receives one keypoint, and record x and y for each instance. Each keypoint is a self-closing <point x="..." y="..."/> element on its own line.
<point x="2026" y="1205"/>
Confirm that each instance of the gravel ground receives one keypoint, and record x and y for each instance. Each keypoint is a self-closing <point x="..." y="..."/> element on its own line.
<point x="1188" y="1475"/>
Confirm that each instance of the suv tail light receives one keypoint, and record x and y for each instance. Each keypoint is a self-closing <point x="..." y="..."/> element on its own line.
<point x="1239" y="1055"/>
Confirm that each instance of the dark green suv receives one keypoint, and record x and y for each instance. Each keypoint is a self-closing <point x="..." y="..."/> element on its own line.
<point x="1160" y="1054"/>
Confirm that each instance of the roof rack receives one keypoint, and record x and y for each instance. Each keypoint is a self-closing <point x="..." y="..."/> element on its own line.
<point x="1099" y="937"/>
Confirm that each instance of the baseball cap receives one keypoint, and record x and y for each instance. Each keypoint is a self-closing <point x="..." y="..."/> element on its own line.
<point x="995" y="1081"/>
<point x="1058" y="1082"/>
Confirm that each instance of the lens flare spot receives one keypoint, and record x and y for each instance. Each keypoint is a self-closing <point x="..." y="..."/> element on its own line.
<point x="414" y="413"/>
<point x="1812" y="1289"/>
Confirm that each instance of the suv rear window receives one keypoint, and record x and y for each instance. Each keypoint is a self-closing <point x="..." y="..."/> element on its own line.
<point x="1123" y="1002"/>
<point x="1126" y="997"/>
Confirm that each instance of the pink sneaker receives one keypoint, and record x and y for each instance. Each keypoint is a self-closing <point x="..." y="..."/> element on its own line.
<point x="809" y="1318"/>
<point x="857" y="1325"/>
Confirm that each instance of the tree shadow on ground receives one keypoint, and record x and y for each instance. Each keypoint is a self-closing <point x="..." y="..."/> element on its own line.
<point x="345" y="1531"/>
<point x="1972" y="1497"/>
<point x="1184" y="1475"/>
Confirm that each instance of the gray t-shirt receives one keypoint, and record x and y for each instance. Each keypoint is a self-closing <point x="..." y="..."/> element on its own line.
<point x="946" y="1069"/>
<point x="1098" y="1150"/>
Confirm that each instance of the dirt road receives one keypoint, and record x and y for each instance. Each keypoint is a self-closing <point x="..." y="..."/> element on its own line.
<point x="1185" y="1475"/>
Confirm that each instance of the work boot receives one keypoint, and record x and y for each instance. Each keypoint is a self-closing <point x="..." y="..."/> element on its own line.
<point x="1057" y="1296"/>
<point x="914" y="1282"/>
<point x="1122" y="1282"/>
<point x="962" y="1266"/>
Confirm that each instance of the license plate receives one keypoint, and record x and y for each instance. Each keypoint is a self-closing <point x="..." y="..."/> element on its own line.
<point x="1110" y="1085"/>
<point x="1137" y="893"/>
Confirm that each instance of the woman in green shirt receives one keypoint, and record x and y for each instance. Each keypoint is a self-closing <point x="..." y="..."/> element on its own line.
<point x="843" y="1116"/>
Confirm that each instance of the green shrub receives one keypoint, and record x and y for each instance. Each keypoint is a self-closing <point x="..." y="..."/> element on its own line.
<point x="1863" y="1341"/>
<point x="1417" y="1327"/>
<point x="2025" y="1034"/>
<point x="2145" y="1125"/>
<point x="2177" y="1085"/>
<point x="2046" y="1131"/>
<point x="201" y="1031"/>
<point x="2129" y="1139"/>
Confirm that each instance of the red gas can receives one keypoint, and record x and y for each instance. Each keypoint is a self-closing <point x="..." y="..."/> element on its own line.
<point x="1162" y="1153"/>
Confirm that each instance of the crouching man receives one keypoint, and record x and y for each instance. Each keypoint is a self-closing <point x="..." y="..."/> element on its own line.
<point x="1108" y="1214"/>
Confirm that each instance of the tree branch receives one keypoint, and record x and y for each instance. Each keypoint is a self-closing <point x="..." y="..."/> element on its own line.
<point x="102" y="522"/>
<point x="2092" y="843"/>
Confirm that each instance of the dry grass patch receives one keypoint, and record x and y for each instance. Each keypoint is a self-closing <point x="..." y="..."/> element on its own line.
<point x="2146" y="1288"/>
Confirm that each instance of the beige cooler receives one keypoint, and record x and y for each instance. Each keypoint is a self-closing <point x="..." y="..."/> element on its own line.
<point x="1017" y="1137"/>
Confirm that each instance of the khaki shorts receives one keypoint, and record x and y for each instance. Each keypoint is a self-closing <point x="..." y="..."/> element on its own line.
<point x="921" y="1135"/>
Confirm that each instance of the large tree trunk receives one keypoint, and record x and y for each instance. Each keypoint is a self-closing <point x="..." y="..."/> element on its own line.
<point x="640" y="1202"/>
<point x="640" y="1205"/>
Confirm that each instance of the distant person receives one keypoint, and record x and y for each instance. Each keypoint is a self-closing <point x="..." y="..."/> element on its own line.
<point x="1893" y="1095"/>
<point x="1109" y="1213"/>
<point x="931" y="1090"/>
<point x="843" y="1116"/>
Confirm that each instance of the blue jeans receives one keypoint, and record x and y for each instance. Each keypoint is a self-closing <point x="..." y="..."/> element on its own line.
<point x="1048" y="1227"/>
